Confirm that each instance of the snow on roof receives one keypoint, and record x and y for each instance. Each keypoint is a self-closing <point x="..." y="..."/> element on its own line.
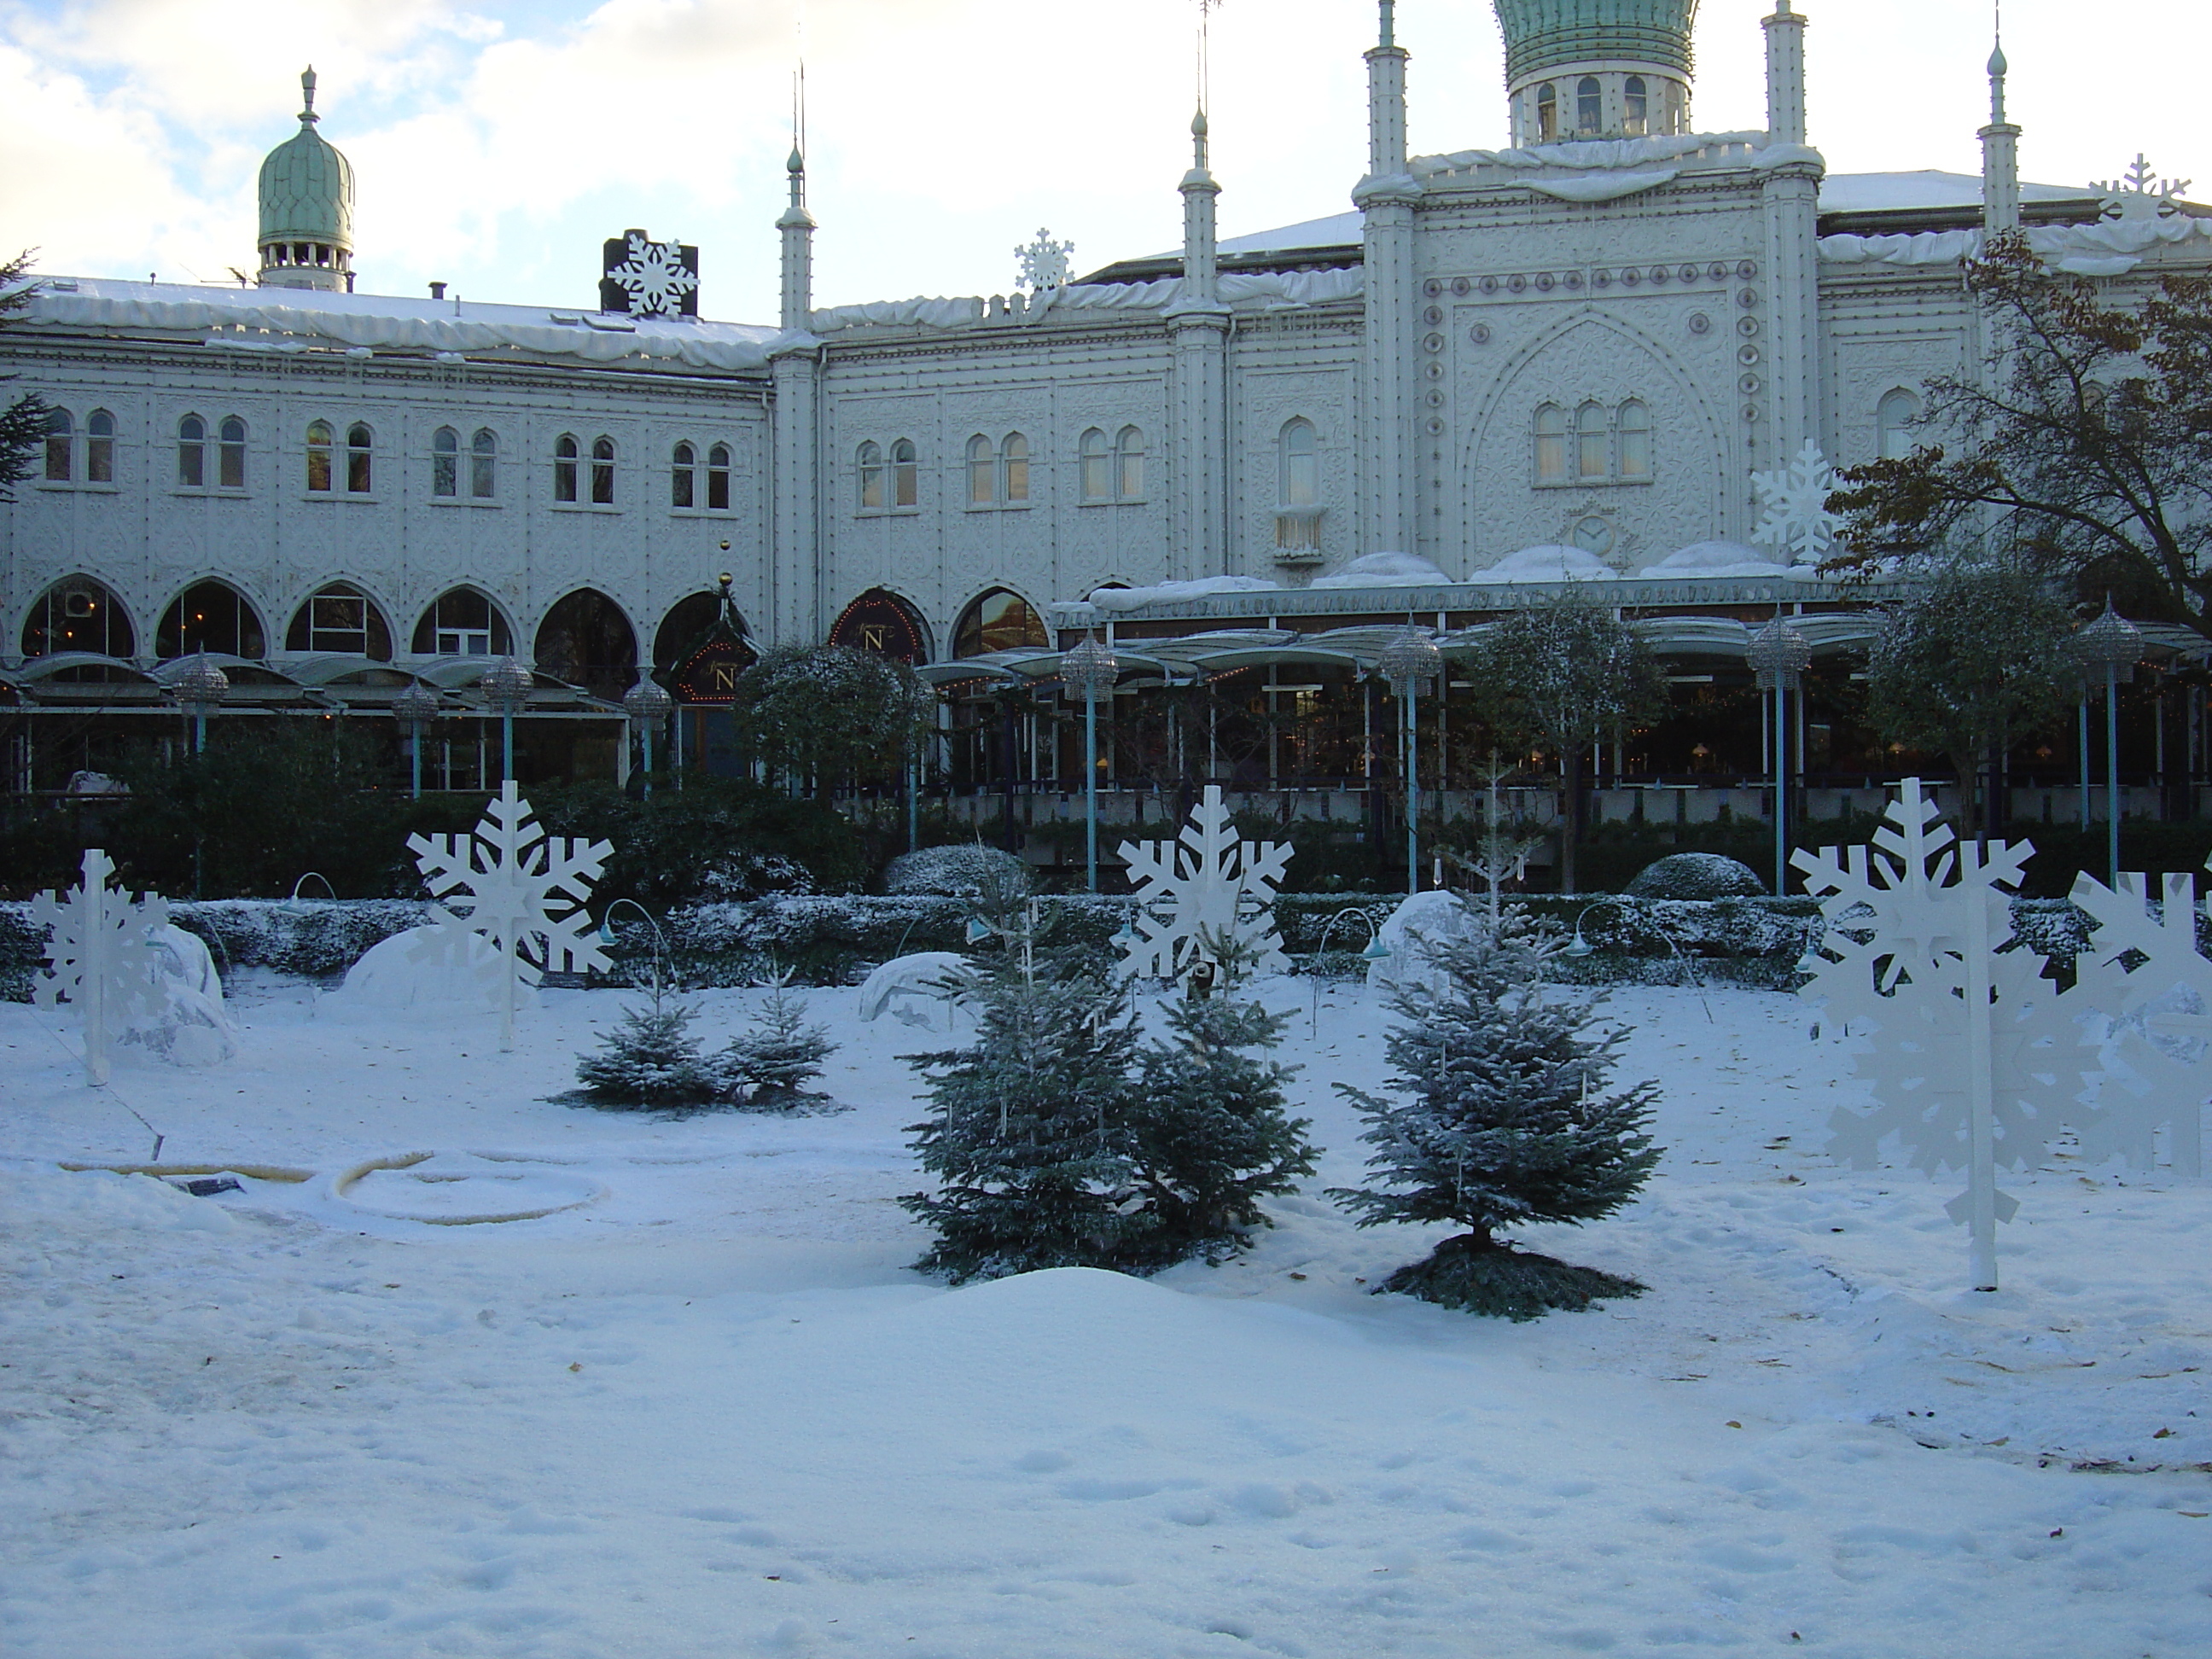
<point x="298" y="320"/>
<point x="1925" y="191"/>
<point x="1337" y="230"/>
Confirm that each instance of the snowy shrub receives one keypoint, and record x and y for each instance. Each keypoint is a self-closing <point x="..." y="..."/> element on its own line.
<point x="1504" y="1120"/>
<point x="1696" y="876"/>
<point x="973" y="871"/>
<point x="652" y="1060"/>
<point x="771" y="1065"/>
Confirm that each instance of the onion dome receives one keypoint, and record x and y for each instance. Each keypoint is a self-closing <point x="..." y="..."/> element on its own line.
<point x="307" y="208"/>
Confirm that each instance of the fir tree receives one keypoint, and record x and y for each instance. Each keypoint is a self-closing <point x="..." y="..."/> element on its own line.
<point x="652" y="1060"/>
<point x="1503" y="1123"/>
<point x="772" y="1064"/>
<point x="23" y="421"/>
<point x="1028" y="1129"/>
<point x="1208" y="1131"/>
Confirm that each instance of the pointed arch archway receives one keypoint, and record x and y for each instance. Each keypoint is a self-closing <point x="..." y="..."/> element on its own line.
<point x="210" y="616"/>
<point x="881" y="622"/>
<point x="79" y="613"/>
<point x="586" y="639"/>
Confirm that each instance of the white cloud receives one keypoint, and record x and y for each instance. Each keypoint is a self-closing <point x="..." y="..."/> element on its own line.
<point x="497" y="145"/>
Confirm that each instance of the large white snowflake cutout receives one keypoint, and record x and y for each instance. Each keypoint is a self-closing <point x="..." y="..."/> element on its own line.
<point x="654" y="277"/>
<point x="1793" y="500"/>
<point x="2142" y="969"/>
<point x="102" y="957"/>
<point x="1206" y="885"/>
<point x="1044" y="263"/>
<point x="2140" y="196"/>
<point x="521" y="889"/>
<point x="1974" y="1056"/>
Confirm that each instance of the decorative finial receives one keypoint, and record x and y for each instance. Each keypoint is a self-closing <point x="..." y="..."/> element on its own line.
<point x="797" y="163"/>
<point x="1390" y="21"/>
<point x="307" y="92"/>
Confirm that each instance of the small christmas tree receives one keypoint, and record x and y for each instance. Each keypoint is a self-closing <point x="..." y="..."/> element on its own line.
<point x="652" y="1059"/>
<point x="1503" y="1123"/>
<point x="1208" y="1131"/>
<point x="1027" y="1133"/>
<point x="771" y="1065"/>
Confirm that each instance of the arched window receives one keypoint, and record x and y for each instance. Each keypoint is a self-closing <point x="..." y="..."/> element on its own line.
<point x="1014" y="468"/>
<point x="1633" y="426"/>
<point x="445" y="462"/>
<point x="881" y="622"/>
<point x="320" y="440"/>
<point x="587" y="641"/>
<point x="871" y="478"/>
<point x="1590" y="447"/>
<point x="100" y="447"/>
<point x="1551" y="444"/>
<point x="906" y="474"/>
<point x="210" y="616"/>
<point x="1001" y="619"/>
<point x="1547" y="112"/>
<point x="1129" y="470"/>
<point x="565" y="452"/>
<point x="484" y="464"/>
<point x="1300" y="465"/>
<point x="359" y="447"/>
<point x="718" y="478"/>
<point x="1894" y="415"/>
<point x="1636" y="111"/>
<point x="603" y="471"/>
<point x="1590" y="105"/>
<point x="230" y="459"/>
<point x="462" y="622"/>
<point x="982" y="472"/>
<point x="192" y="453"/>
<point x="685" y="626"/>
<point x="1097" y="467"/>
<point x="684" y="477"/>
<point x="339" y="616"/>
<point x="60" y="447"/>
<point x="78" y="614"/>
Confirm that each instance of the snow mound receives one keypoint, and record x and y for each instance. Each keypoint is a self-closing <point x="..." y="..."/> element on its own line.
<point x="1422" y="918"/>
<point x="426" y="969"/>
<point x="191" y="1028"/>
<point x="921" y="977"/>
<point x="1696" y="876"/>
<point x="958" y="872"/>
<point x="98" y="1202"/>
<point x="1136" y="598"/>
<point x="1713" y="559"/>
<point x="1547" y="563"/>
<point x="1385" y="570"/>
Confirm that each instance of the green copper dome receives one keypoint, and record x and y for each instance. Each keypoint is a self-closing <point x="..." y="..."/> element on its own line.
<point x="1544" y="34"/>
<point x="307" y="186"/>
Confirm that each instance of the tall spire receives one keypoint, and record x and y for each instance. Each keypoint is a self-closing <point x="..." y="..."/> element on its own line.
<point x="796" y="225"/>
<point x="1201" y="264"/>
<point x="307" y="116"/>
<point x="2000" y="149"/>
<point x="1785" y="75"/>
<point x="1386" y="99"/>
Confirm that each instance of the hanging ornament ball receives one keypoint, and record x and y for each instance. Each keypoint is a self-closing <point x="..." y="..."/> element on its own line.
<point x="415" y="706"/>
<point x="1090" y="670"/>
<point x="2110" y="642"/>
<point x="1779" y="652"/>
<point x="202" y="686"/>
<point x="1411" y="656"/>
<point x="508" y="685"/>
<point x="647" y="703"/>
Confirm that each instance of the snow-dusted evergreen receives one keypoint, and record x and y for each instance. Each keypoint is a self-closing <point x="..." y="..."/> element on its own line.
<point x="963" y="870"/>
<point x="1502" y="1120"/>
<point x="1026" y="1134"/>
<point x="651" y="1060"/>
<point x="772" y="1064"/>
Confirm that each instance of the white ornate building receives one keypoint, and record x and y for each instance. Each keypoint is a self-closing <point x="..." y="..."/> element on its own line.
<point x="1573" y="359"/>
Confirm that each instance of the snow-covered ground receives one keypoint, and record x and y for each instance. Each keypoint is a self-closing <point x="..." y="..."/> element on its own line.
<point x="705" y="1411"/>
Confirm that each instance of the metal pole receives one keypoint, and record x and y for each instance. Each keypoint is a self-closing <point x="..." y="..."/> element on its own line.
<point x="199" y="730"/>
<point x="2083" y="712"/>
<point x="506" y="744"/>
<point x="1412" y="793"/>
<point x="1781" y="811"/>
<point x="2113" y="776"/>
<point x="1981" y="1185"/>
<point x="647" y="738"/>
<point x="415" y="763"/>
<point x="1090" y="786"/>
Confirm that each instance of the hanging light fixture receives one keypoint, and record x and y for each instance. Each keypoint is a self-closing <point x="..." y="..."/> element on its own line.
<point x="647" y="706"/>
<point x="506" y="685"/>
<point x="415" y="709"/>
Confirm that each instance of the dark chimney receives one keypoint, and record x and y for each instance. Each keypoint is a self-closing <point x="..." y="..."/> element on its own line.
<point x="437" y="290"/>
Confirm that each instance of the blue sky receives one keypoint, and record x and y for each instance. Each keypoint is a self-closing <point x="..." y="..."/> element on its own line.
<point x="498" y="144"/>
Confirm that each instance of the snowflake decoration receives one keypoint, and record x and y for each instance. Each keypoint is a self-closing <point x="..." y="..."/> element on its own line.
<point x="2140" y="195"/>
<point x="1909" y="967"/>
<point x="1044" y="263"/>
<point x="525" y="891"/>
<point x="1210" y="886"/>
<point x="101" y="957"/>
<point x="654" y="277"/>
<point x="1793" y="502"/>
<point x="2161" y="1013"/>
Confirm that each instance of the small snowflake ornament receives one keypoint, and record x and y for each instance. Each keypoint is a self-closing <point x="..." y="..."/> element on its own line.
<point x="1205" y="885"/>
<point x="654" y="277"/>
<point x="1793" y="500"/>
<point x="521" y="889"/>
<point x="102" y="957"/>
<point x="1975" y="1058"/>
<point x="2139" y="196"/>
<point x="1044" y="263"/>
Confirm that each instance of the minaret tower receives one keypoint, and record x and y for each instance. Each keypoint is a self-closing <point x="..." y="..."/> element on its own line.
<point x="1386" y="199"/>
<point x="1596" y="68"/>
<point x="1791" y="199"/>
<point x="1198" y="324"/>
<point x="1999" y="155"/>
<point x="307" y="208"/>
<point x="796" y="228"/>
<point x="1201" y="262"/>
